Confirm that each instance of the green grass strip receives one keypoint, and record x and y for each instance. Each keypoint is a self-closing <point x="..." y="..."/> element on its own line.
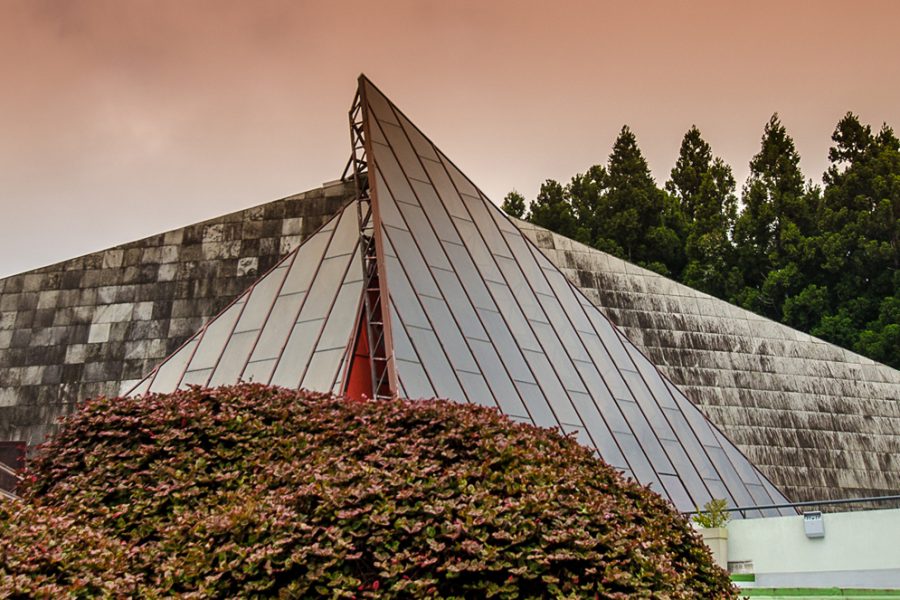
<point x="812" y="593"/>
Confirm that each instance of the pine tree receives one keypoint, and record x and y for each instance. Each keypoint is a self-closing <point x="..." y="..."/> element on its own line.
<point x="514" y="205"/>
<point x="634" y="216"/>
<point x="704" y="189"/>
<point x="552" y="209"/>
<point x="772" y="233"/>
<point x="860" y="222"/>
<point x="587" y="194"/>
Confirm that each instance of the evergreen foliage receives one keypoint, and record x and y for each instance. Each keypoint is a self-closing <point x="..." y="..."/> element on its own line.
<point x="251" y="491"/>
<point x="514" y="204"/>
<point x="824" y="260"/>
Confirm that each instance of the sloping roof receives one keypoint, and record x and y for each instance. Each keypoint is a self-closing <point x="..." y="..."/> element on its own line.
<point x="97" y="324"/>
<point x="291" y="328"/>
<point x="470" y="311"/>
<point x="821" y="421"/>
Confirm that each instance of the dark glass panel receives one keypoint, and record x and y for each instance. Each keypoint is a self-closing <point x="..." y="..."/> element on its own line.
<point x="234" y="358"/>
<point x="698" y="423"/>
<point x="449" y="334"/>
<point x="691" y="444"/>
<point x="520" y="288"/>
<point x="676" y="493"/>
<point x="476" y="388"/>
<point x="278" y="327"/>
<point x="296" y="354"/>
<point x="420" y="230"/>
<point x="600" y="394"/>
<point x="602" y="438"/>
<point x="459" y="304"/>
<point x="461" y="182"/>
<point x="573" y="341"/>
<point x="474" y="285"/>
<point x="634" y="454"/>
<point x="537" y="405"/>
<point x="259" y="371"/>
<point x="379" y="106"/>
<point x="515" y="320"/>
<point x="647" y="438"/>
<point x="404" y="152"/>
<point x="169" y="373"/>
<point x="718" y="490"/>
<point x="744" y="469"/>
<point x="760" y="495"/>
<point x="479" y="252"/>
<point x="686" y="470"/>
<point x="415" y="382"/>
<point x="199" y="377"/>
<point x="654" y="381"/>
<point x="214" y="337"/>
<point x="403" y="296"/>
<point x="506" y="346"/>
<point x="492" y="236"/>
<point x="651" y="409"/>
<point x="562" y="363"/>
<point x="325" y="287"/>
<point x="262" y="296"/>
<point x="568" y="300"/>
<point x="343" y="317"/>
<point x="403" y="349"/>
<point x="323" y="369"/>
<point x="445" y="189"/>
<point x="522" y="250"/>
<point x="409" y="257"/>
<point x="435" y="363"/>
<point x="729" y="476"/>
<point x="554" y="348"/>
<point x="498" y="379"/>
<point x="423" y="147"/>
<point x="552" y="388"/>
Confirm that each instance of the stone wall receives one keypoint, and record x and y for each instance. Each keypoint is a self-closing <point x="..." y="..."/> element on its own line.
<point x="96" y="324"/>
<point x="820" y="421"/>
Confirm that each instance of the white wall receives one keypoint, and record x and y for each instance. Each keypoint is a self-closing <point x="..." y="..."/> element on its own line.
<point x="854" y="543"/>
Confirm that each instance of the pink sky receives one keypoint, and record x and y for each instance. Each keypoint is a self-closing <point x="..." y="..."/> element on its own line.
<point x="123" y="119"/>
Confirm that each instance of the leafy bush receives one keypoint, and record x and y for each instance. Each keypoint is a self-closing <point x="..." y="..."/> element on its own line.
<point x="251" y="491"/>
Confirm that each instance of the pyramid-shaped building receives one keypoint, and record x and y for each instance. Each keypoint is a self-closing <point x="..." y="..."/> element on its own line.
<point x="421" y="287"/>
<point x="403" y="280"/>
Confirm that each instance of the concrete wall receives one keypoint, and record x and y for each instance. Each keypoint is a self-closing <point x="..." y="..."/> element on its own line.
<point x="860" y="549"/>
<point x="98" y="323"/>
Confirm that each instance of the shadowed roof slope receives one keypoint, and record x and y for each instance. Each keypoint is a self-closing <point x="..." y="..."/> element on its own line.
<point x="820" y="421"/>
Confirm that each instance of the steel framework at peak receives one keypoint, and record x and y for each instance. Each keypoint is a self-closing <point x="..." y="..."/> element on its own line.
<point x="422" y="287"/>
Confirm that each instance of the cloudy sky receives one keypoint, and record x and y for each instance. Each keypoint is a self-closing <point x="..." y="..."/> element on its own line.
<point x="123" y="118"/>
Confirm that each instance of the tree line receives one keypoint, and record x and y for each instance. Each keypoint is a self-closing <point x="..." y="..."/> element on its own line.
<point x="821" y="258"/>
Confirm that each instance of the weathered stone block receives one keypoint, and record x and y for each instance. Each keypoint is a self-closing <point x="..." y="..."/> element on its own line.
<point x="98" y="333"/>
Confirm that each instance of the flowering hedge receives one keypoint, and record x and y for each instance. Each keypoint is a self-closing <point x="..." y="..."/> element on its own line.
<point x="252" y="491"/>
